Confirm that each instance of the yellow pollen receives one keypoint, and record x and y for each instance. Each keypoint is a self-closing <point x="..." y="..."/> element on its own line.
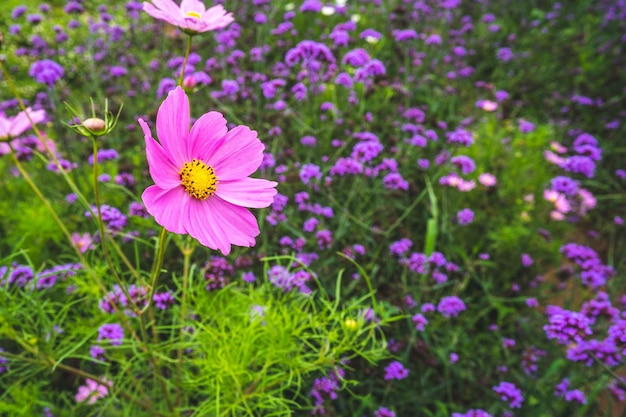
<point x="198" y="179"/>
<point x="194" y="14"/>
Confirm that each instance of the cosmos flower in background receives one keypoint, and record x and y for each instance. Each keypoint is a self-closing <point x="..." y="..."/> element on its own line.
<point x="192" y="16"/>
<point x="202" y="184"/>
<point x="11" y="127"/>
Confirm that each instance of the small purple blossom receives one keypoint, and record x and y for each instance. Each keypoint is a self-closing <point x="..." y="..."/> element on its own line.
<point x="566" y="326"/>
<point x="450" y="306"/>
<point x="509" y="393"/>
<point x="465" y="216"/>
<point x="395" y="370"/>
<point x="112" y="332"/>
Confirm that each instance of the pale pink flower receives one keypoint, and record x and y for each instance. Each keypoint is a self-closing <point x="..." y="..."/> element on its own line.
<point x="11" y="127"/>
<point x="191" y="16"/>
<point x="556" y="215"/>
<point x="486" y="179"/>
<point x="551" y="195"/>
<point x="553" y="158"/>
<point x="82" y="242"/>
<point x="557" y="147"/>
<point x="92" y="392"/>
<point x="466" y="186"/>
<point x="201" y="176"/>
<point x="487" y="105"/>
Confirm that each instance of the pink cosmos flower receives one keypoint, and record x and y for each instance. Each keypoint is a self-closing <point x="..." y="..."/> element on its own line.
<point x="191" y="16"/>
<point x="201" y="176"/>
<point x="11" y="127"/>
<point x="83" y="242"/>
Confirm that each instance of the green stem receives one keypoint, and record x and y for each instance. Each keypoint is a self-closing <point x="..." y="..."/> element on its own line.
<point x="187" y="251"/>
<point x="619" y="380"/>
<point x="187" y="52"/>
<point x="103" y="235"/>
<point x="118" y="279"/>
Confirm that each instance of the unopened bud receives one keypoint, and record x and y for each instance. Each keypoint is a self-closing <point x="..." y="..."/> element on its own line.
<point x="95" y="124"/>
<point x="350" y="324"/>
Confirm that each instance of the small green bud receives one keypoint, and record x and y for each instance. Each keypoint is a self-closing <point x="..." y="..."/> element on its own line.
<point x="93" y="126"/>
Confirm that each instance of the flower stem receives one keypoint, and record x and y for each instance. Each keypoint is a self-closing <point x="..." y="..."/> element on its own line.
<point x="187" y="52"/>
<point x="187" y="251"/>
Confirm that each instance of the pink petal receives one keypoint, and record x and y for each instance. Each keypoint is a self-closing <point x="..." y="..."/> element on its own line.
<point x="196" y="6"/>
<point x="203" y="225"/>
<point x="169" y="207"/>
<point x="239" y="222"/>
<point x="216" y="18"/>
<point x="162" y="13"/>
<point x="247" y="192"/>
<point x="218" y="224"/>
<point x="206" y="133"/>
<point x="162" y="170"/>
<point x="239" y="154"/>
<point x="168" y="7"/>
<point x="20" y="123"/>
<point x="172" y="126"/>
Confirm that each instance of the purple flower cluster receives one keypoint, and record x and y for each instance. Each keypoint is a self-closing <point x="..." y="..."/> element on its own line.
<point x="530" y="357"/>
<point x="23" y="275"/>
<point x="589" y="350"/>
<point x="112" y="332"/>
<point x="116" y="299"/>
<point x="566" y="326"/>
<point x="48" y="277"/>
<point x="593" y="272"/>
<point x="163" y="300"/>
<point x="218" y="272"/>
<point x="420" y="322"/>
<point x="395" y="370"/>
<point x="465" y="217"/>
<point x="436" y="265"/>
<point x="562" y="390"/>
<point x="450" y="306"/>
<point x="114" y="220"/>
<point x="46" y="72"/>
<point x="287" y="280"/>
<point x="509" y="393"/>
<point x="325" y="388"/>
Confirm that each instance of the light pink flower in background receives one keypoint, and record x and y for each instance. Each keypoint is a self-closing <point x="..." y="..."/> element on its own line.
<point x="11" y="127"/>
<point x="92" y="392"/>
<point x="553" y="158"/>
<point x="202" y="184"/>
<point x="557" y="147"/>
<point x="82" y="242"/>
<point x="486" y="179"/>
<point x="487" y="105"/>
<point x="191" y="16"/>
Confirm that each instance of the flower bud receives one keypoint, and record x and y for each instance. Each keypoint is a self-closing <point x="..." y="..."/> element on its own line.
<point x="95" y="124"/>
<point x="350" y="324"/>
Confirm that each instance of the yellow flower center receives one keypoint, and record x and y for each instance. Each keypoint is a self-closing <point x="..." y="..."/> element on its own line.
<point x="194" y="14"/>
<point x="199" y="179"/>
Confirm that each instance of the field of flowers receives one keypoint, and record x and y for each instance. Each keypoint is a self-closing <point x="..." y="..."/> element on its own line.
<point x="371" y="208"/>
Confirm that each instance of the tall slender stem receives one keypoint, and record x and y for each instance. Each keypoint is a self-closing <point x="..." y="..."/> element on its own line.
<point x="187" y="251"/>
<point x="187" y="52"/>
